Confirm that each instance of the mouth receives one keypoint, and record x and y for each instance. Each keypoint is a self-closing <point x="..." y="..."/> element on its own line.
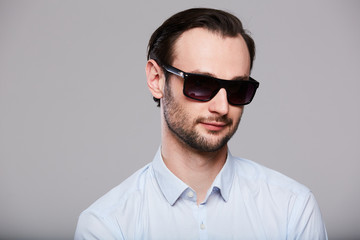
<point x="214" y="126"/>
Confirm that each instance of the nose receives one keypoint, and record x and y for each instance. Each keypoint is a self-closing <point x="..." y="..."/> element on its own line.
<point x="219" y="104"/>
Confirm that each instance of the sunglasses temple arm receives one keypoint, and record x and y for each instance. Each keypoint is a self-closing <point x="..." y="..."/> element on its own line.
<point x="175" y="71"/>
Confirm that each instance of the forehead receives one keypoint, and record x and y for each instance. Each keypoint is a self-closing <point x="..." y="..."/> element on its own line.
<point x="201" y="50"/>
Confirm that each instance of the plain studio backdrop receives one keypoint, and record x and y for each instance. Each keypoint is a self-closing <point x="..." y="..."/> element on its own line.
<point x="76" y="117"/>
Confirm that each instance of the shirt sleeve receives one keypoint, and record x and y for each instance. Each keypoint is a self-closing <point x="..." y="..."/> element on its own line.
<point x="305" y="220"/>
<point x="91" y="227"/>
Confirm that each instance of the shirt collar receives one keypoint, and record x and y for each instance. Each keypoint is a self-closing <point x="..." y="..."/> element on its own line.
<point x="225" y="178"/>
<point x="172" y="187"/>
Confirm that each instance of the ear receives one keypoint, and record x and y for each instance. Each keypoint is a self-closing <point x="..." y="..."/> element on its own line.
<point x="155" y="78"/>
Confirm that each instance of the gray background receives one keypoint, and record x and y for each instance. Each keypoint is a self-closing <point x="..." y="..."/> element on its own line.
<point x="76" y="117"/>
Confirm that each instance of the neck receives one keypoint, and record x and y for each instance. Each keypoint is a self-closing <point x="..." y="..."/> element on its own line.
<point x="197" y="169"/>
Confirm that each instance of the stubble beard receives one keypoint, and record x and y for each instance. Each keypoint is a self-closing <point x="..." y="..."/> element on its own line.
<point x="179" y="123"/>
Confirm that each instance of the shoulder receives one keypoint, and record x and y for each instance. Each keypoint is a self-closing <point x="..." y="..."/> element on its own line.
<point x="129" y="189"/>
<point x="293" y="203"/>
<point x="101" y="218"/>
<point x="259" y="176"/>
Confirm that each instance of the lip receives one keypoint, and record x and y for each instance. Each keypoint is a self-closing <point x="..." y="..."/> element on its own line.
<point x="214" y="126"/>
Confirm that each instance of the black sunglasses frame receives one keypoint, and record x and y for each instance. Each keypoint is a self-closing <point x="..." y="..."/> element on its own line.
<point x="222" y="84"/>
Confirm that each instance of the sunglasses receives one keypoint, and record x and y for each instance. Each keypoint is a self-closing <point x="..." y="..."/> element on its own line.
<point x="203" y="88"/>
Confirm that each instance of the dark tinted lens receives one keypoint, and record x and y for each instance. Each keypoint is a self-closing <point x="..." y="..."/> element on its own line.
<point x="240" y="93"/>
<point x="200" y="87"/>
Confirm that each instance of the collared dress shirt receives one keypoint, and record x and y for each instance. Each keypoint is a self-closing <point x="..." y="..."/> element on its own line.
<point x="245" y="201"/>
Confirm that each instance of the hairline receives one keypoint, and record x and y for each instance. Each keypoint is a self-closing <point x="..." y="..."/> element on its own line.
<point x="214" y="31"/>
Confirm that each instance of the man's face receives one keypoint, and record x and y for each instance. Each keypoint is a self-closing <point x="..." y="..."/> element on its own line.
<point x="205" y="126"/>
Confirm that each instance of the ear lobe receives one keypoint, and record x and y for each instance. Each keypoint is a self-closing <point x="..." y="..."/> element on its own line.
<point x="155" y="78"/>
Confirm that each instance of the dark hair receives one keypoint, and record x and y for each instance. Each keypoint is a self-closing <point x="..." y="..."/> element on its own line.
<point x="161" y="43"/>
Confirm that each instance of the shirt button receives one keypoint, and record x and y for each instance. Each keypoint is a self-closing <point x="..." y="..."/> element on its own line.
<point x="202" y="226"/>
<point x="190" y="194"/>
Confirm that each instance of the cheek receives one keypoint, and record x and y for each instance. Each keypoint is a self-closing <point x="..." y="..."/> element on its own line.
<point x="235" y="112"/>
<point x="176" y="86"/>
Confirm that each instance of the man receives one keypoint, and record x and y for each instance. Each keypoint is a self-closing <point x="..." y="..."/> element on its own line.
<point x="198" y="71"/>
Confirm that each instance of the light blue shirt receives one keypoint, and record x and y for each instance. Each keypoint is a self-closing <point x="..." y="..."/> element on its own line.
<point x="246" y="201"/>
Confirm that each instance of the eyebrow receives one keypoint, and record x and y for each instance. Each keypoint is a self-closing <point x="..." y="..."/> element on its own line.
<point x="244" y="77"/>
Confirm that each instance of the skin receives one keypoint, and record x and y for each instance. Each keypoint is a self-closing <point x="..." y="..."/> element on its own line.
<point x="211" y="123"/>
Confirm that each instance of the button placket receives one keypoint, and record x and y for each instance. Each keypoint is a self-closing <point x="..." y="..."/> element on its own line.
<point x="202" y="221"/>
